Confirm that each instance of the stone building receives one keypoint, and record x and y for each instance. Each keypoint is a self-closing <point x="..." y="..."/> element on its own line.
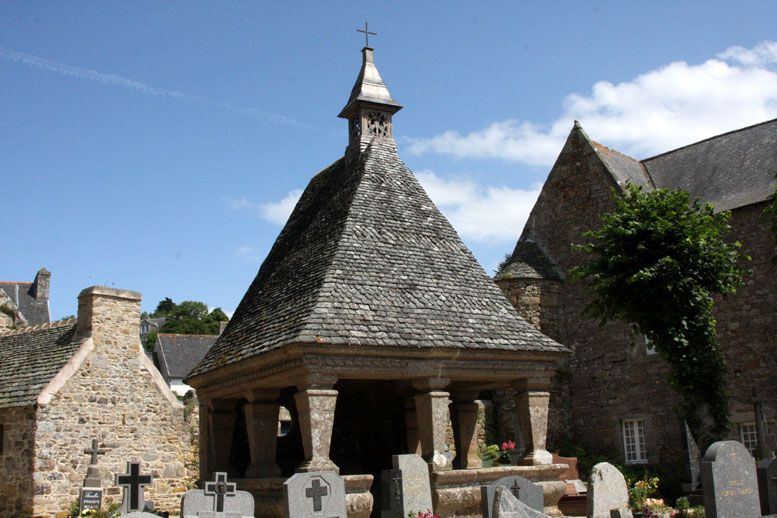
<point x="614" y="396"/>
<point x="371" y="322"/>
<point x="66" y="383"/>
<point x="176" y="355"/>
<point x="25" y="303"/>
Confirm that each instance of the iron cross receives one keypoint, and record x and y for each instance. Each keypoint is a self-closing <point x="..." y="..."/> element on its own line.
<point x="316" y="492"/>
<point x="516" y="490"/>
<point x="220" y="488"/>
<point x="367" y="33"/>
<point x="94" y="451"/>
<point x="133" y="483"/>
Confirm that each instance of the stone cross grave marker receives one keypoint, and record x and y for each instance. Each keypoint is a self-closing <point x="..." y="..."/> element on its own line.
<point x="316" y="494"/>
<point x="729" y="482"/>
<point x="219" y="499"/>
<point x="91" y="494"/>
<point x="133" y="483"/>
<point x="521" y="488"/>
<point x="409" y="487"/>
<point x="767" y="485"/>
<point x="506" y="505"/>
<point x="607" y="491"/>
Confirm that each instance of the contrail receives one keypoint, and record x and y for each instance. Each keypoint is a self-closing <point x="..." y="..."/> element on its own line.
<point x="130" y="84"/>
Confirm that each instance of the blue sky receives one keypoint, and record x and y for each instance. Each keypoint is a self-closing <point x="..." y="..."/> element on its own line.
<point x="159" y="146"/>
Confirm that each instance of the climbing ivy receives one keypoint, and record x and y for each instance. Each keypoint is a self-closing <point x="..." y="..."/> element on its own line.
<point x="655" y="264"/>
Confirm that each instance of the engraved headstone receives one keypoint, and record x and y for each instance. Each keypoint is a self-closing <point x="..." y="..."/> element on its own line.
<point x="219" y="499"/>
<point x="90" y="498"/>
<point x="729" y="482"/>
<point x="506" y="505"/>
<point x="767" y="485"/>
<point x="133" y="482"/>
<point x="90" y="495"/>
<point x="521" y="488"/>
<point x="410" y="490"/>
<point x="607" y="491"/>
<point x="317" y="494"/>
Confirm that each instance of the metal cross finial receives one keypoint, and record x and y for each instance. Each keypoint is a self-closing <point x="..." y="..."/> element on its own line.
<point x="367" y="33"/>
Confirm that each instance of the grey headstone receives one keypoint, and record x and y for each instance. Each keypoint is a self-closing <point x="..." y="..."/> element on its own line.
<point x="523" y="489"/>
<point x="391" y="493"/>
<point x="133" y="482"/>
<point x="317" y="494"/>
<point x="410" y="489"/>
<point x="694" y="457"/>
<point x="767" y="485"/>
<point x="505" y="505"/>
<point x="729" y="481"/>
<point x="90" y="498"/>
<point x="621" y="513"/>
<point x="607" y="490"/>
<point x="219" y="499"/>
<point x="139" y="514"/>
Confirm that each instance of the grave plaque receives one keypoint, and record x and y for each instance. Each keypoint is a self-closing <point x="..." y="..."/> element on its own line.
<point x="219" y="499"/>
<point x="90" y="498"/>
<point x="729" y="481"/>
<point x="505" y="505"/>
<point x="409" y="488"/>
<point x="133" y="483"/>
<point x="319" y="494"/>
<point x="767" y="485"/>
<point x="521" y="488"/>
<point x="607" y="491"/>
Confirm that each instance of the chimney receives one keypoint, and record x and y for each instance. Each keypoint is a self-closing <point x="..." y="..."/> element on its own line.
<point x="111" y="318"/>
<point x="40" y="288"/>
<point x="222" y="326"/>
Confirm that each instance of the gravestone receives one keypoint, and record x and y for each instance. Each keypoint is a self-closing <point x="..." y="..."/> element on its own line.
<point x="317" y="494"/>
<point x="523" y="489"/>
<point x="91" y="494"/>
<point x="407" y="485"/>
<point x="219" y="499"/>
<point x="133" y="482"/>
<point x="729" y="482"/>
<point x="694" y="458"/>
<point x="767" y="485"/>
<point x="139" y="514"/>
<point x="506" y="505"/>
<point x="607" y="491"/>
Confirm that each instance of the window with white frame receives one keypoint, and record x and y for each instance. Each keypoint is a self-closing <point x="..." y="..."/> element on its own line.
<point x="748" y="436"/>
<point x="634" y="448"/>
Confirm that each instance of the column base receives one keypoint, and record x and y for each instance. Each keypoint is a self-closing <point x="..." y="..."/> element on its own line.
<point x="536" y="458"/>
<point x="317" y="465"/>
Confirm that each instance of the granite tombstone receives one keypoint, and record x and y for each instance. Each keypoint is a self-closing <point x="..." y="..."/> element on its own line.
<point x="521" y="488"/>
<point x="406" y="487"/>
<point x="607" y="491"/>
<point x="729" y="482"/>
<point x="506" y="505"/>
<point x="219" y="499"/>
<point x="91" y="494"/>
<point x="767" y="485"/>
<point x="316" y="494"/>
<point x="133" y="482"/>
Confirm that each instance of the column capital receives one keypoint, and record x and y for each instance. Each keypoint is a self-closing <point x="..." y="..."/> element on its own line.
<point x="262" y="395"/>
<point x="430" y="384"/>
<point x="531" y="385"/>
<point x="315" y="380"/>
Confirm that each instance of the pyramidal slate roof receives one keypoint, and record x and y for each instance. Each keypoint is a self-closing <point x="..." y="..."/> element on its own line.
<point x="176" y="355"/>
<point x="31" y="357"/>
<point x="366" y="259"/>
<point x="530" y="261"/>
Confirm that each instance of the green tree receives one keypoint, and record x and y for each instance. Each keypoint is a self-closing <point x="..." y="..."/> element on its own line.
<point x="655" y="264"/>
<point x="190" y="317"/>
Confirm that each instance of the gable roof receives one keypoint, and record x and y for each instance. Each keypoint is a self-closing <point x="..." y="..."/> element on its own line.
<point x="730" y="170"/>
<point x="622" y="167"/>
<point x="34" y="310"/>
<point x="366" y="259"/>
<point x="31" y="357"/>
<point x="176" y="355"/>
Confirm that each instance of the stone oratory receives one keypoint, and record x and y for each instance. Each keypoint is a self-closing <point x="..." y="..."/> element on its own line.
<point x="371" y="322"/>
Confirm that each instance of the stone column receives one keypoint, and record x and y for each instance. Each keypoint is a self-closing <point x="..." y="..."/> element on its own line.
<point x="464" y="418"/>
<point x="206" y="445"/>
<point x="316" y="402"/>
<point x="432" y="413"/>
<point x="411" y="427"/>
<point x="531" y="405"/>
<point x="222" y="413"/>
<point x="261" y="414"/>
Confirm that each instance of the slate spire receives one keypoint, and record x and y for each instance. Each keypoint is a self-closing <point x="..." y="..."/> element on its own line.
<point x="370" y="107"/>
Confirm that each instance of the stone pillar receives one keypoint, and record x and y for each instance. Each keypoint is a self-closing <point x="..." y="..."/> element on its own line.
<point x="464" y="418"/>
<point x="531" y="405"/>
<point x="316" y="402"/>
<point x="411" y="427"/>
<point x="261" y="414"/>
<point x="222" y="413"/>
<point x="206" y="444"/>
<point x="432" y="413"/>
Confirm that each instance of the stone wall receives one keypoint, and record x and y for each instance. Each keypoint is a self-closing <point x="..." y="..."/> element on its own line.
<point x="16" y="488"/>
<point x="115" y="398"/>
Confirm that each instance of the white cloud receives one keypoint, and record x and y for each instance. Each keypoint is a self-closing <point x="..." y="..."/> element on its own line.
<point x="278" y="212"/>
<point x="657" y="111"/>
<point x="471" y="207"/>
<point x="249" y="254"/>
